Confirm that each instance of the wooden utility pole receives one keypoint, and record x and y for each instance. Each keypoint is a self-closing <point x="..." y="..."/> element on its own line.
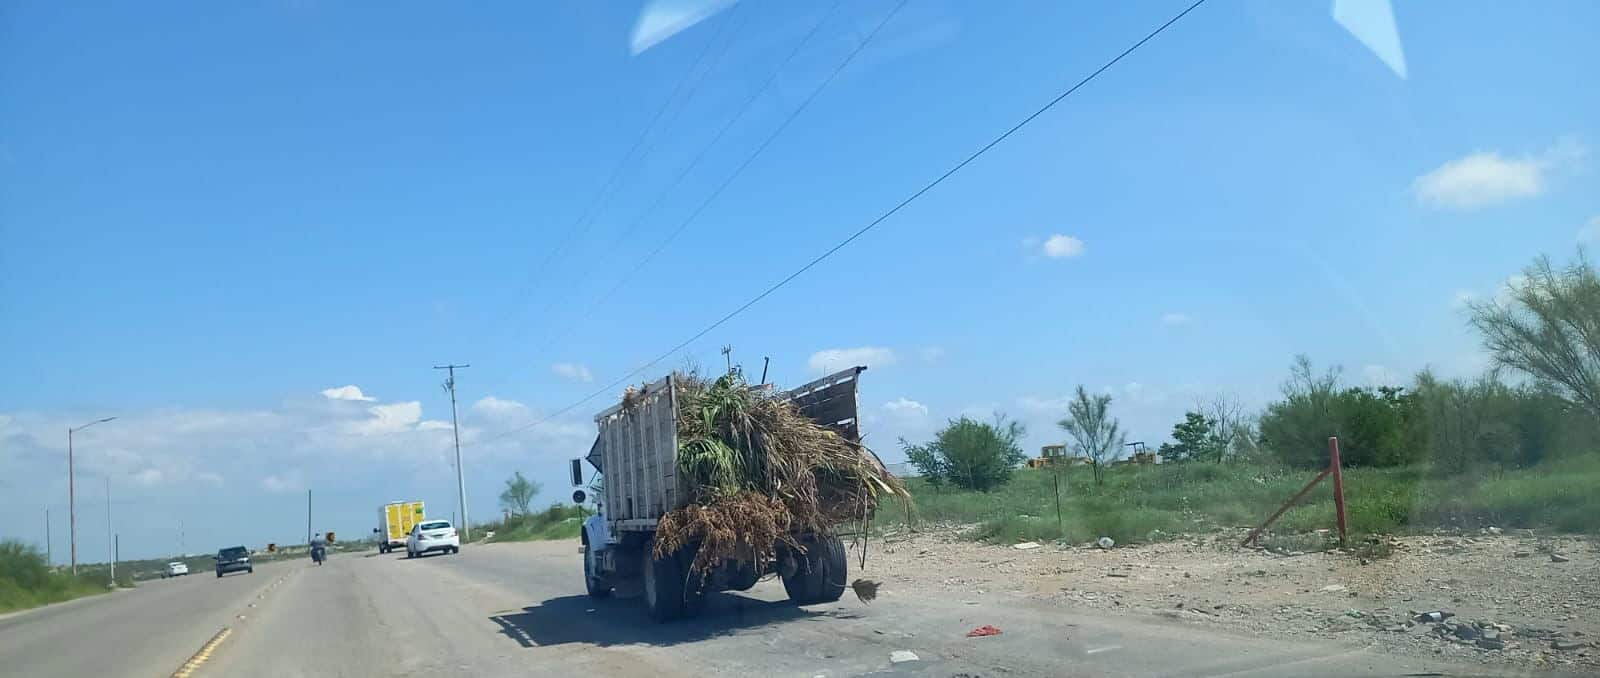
<point x="455" y="429"/>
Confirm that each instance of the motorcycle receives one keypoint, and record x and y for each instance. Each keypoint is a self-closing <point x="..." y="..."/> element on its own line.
<point x="319" y="554"/>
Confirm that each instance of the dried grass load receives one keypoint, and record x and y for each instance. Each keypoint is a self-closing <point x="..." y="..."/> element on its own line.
<point x="762" y="474"/>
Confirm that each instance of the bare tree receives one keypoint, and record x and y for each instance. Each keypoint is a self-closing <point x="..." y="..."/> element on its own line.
<point x="1097" y="433"/>
<point x="1549" y="328"/>
<point x="1234" y="426"/>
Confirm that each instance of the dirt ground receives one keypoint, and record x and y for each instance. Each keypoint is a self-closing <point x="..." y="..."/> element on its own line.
<point x="1508" y="598"/>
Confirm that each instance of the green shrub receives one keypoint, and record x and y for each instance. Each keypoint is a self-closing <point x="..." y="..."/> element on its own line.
<point x="969" y="454"/>
<point x="26" y="580"/>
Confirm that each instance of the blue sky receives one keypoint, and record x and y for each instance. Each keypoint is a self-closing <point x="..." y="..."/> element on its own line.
<point x="213" y="219"/>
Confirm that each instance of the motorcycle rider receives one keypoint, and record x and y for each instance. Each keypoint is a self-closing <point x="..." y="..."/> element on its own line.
<point x="319" y="548"/>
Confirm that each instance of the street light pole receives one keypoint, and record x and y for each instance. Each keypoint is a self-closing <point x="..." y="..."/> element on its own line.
<point x="72" y="492"/>
<point x="111" y="542"/>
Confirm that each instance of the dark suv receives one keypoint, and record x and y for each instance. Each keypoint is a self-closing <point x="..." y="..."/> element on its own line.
<point x="234" y="559"/>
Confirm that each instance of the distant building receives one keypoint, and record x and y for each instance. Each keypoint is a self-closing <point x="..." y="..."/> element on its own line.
<point x="902" y="470"/>
<point x="1053" y="451"/>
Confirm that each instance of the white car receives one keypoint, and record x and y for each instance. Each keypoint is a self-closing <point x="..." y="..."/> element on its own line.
<point x="176" y="569"/>
<point x="432" y="535"/>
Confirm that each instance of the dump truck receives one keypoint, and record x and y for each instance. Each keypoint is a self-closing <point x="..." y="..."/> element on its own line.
<point x="636" y="453"/>
<point x="395" y="520"/>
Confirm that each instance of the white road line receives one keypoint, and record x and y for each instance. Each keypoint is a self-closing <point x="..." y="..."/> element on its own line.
<point x="1107" y="648"/>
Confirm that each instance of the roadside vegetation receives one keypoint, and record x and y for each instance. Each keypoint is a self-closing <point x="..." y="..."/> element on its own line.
<point x="1140" y="503"/>
<point x="26" y="580"/>
<point x="520" y="523"/>
<point x="559" y="521"/>
<point x="1515" y="447"/>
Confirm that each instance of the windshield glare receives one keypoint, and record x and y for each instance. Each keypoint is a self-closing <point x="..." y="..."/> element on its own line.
<point x="838" y="338"/>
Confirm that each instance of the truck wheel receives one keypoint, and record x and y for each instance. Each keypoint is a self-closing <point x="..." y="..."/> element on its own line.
<point x="663" y="586"/>
<point x="595" y="586"/>
<point x="820" y="576"/>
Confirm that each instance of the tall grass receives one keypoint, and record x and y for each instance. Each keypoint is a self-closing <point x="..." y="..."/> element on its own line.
<point x="26" y="580"/>
<point x="1139" y="503"/>
<point x="560" y="521"/>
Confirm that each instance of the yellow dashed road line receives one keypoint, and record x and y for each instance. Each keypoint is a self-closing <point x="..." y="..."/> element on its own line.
<point x="199" y="659"/>
<point x="204" y="654"/>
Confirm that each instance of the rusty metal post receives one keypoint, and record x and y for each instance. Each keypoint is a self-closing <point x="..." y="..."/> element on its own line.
<point x="1338" y="486"/>
<point x="1282" y="509"/>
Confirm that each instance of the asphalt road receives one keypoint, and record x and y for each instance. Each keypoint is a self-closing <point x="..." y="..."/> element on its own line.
<point x="147" y="631"/>
<point x="519" y="609"/>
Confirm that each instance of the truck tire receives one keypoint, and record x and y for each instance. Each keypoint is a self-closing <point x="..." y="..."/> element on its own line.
<point x="596" y="587"/>
<point x="663" y="586"/>
<point x="821" y="572"/>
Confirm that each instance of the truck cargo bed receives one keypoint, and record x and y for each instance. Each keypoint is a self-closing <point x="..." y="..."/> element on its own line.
<point x="637" y="445"/>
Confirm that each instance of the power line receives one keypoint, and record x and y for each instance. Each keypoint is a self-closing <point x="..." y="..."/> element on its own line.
<point x="737" y="172"/>
<point x="861" y="231"/>
<point x="596" y="205"/>
<point x="551" y="339"/>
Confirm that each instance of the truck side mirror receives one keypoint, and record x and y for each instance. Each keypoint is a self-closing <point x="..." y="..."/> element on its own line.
<point x="577" y="472"/>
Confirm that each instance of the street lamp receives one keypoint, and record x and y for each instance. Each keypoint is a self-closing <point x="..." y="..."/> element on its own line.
<point x="72" y="491"/>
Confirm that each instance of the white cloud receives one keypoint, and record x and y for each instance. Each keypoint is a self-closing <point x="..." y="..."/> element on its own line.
<point x="499" y="407"/>
<point x="168" y="462"/>
<point x="1175" y="319"/>
<point x="1062" y="246"/>
<point x="1378" y="375"/>
<point x="833" y="359"/>
<point x="1506" y="293"/>
<point x="1590" y="231"/>
<point x="1486" y="178"/>
<point x="906" y="408"/>
<point x="346" y="393"/>
<point x="980" y="411"/>
<point x="573" y="371"/>
<point x="392" y="418"/>
<point x="1038" y="405"/>
<point x="289" y="481"/>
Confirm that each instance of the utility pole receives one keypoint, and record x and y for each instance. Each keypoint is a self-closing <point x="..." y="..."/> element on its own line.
<point x="455" y="429"/>
<point x="111" y="541"/>
<point x="48" y="559"/>
<point x="72" y="492"/>
<point x="308" y="516"/>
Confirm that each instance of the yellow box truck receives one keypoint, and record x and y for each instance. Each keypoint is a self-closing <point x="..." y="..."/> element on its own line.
<point x="395" y="520"/>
